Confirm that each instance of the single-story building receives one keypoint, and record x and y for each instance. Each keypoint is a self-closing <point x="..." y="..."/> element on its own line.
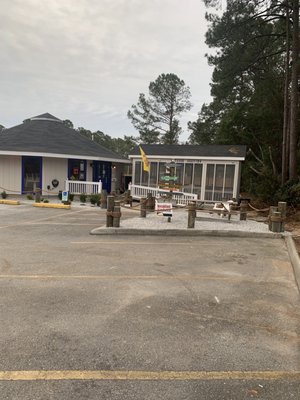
<point x="208" y="173"/>
<point x="44" y="153"/>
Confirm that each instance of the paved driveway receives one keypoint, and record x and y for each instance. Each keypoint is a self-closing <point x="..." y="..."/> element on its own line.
<point x="96" y="317"/>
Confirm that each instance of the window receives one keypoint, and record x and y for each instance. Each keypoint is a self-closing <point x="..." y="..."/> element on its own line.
<point x="188" y="177"/>
<point x="137" y="173"/>
<point x="197" y="178"/>
<point x="153" y="173"/>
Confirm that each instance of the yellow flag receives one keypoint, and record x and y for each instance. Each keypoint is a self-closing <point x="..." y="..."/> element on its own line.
<point x="146" y="165"/>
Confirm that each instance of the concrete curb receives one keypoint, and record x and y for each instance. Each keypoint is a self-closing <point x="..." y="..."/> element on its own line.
<point x="10" y="202"/>
<point x="183" y="232"/>
<point x="294" y="257"/>
<point x="49" y="205"/>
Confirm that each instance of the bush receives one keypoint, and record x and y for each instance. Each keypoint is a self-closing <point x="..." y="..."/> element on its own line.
<point x="82" y="198"/>
<point x="95" y="198"/>
<point x="29" y="197"/>
<point x="4" y="194"/>
<point x="71" y="196"/>
<point x="290" y="192"/>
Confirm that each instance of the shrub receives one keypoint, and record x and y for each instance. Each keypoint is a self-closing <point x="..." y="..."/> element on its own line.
<point x="29" y="197"/>
<point x="82" y="198"/>
<point x="71" y="196"/>
<point x="3" y="194"/>
<point x="290" y="192"/>
<point x="95" y="198"/>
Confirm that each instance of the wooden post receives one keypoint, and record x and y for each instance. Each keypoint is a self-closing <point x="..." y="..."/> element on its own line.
<point x="110" y="210"/>
<point x="143" y="205"/>
<point x="273" y="209"/>
<point x="150" y="202"/>
<point x="243" y="210"/>
<point x="276" y="222"/>
<point x="191" y="214"/>
<point x="117" y="214"/>
<point x="282" y="210"/>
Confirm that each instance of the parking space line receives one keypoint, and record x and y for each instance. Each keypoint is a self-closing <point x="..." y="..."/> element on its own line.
<point x="159" y="242"/>
<point x="148" y="375"/>
<point x="131" y="277"/>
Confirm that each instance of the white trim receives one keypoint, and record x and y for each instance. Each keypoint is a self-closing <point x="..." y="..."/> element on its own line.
<point x="54" y="155"/>
<point x="211" y="158"/>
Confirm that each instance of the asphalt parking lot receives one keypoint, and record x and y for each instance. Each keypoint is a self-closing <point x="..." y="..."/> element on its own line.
<point x="140" y="317"/>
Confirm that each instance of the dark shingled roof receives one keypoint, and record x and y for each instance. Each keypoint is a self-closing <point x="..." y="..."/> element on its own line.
<point x="186" y="150"/>
<point x="47" y="134"/>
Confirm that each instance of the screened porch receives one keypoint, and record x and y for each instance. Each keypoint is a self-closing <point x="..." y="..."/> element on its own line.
<point x="205" y="180"/>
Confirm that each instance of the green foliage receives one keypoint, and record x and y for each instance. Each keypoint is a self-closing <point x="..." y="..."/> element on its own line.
<point x="95" y="199"/>
<point x="289" y="192"/>
<point x="3" y="194"/>
<point x="247" y="88"/>
<point x="156" y="117"/>
<point x="71" y="196"/>
<point x="29" y="197"/>
<point x="83" y="197"/>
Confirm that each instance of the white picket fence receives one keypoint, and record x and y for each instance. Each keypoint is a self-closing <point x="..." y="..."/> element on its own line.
<point x="78" y="187"/>
<point x="137" y="192"/>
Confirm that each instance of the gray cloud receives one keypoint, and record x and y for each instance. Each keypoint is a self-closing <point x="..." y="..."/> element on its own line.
<point x="88" y="60"/>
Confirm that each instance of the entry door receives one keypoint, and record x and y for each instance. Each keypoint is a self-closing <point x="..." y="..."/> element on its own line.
<point x="31" y="174"/>
<point x="102" y="171"/>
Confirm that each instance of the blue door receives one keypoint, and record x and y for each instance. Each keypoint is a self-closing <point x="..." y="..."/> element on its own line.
<point x="102" y="171"/>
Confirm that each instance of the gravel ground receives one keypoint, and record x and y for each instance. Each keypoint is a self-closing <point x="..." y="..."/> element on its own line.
<point x="204" y="221"/>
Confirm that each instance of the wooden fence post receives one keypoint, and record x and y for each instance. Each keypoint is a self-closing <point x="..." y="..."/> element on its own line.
<point x="191" y="214"/>
<point x="243" y="210"/>
<point x="110" y="210"/>
<point x="143" y="205"/>
<point x="117" y="214"/>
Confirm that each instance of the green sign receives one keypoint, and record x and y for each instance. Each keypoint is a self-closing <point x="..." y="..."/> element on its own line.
<point x="168" y="178"/>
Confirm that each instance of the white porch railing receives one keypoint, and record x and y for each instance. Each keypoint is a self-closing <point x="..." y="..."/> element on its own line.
<point x="78" y="187"/>
<point x="137" y="192"/>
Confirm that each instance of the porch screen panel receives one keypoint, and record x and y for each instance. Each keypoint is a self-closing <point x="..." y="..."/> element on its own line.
<point x="161" y="170"/>
<point x="179" y="174"/>
<point x="137" y="173"/>
<point x="145" y="177"/>
<point x="209" y="183"/>
<point x="197" y="178"/>
<point x="219" y="182"/>
<point x="188" y="177"/>
<point x="153" y="173"/>
<point x="229" y="181"/>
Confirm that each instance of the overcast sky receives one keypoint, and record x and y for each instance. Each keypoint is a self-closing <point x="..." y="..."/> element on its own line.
<point x="88" y="60"/>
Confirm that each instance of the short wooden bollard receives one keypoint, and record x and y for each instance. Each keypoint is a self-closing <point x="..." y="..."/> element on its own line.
<point x="150" y="202"/>
<point x="128" y="198"/>
<point x="272" y="210"/>
<point x="243" y="210"/>
<point x="110" y="210"/>
<point x="282" y="210"/>
<point x="191" y="214"/>
<point x="117" y="214"/>
<point x="143" y="204"/>
<point x="276" y="222"/>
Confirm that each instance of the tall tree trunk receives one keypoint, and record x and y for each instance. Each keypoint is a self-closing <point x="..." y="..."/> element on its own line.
<point x="294" y="93"/>
<point x="285" y="153"/>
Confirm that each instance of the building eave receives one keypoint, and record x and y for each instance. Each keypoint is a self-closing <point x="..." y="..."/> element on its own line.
<point x="67" y="156"/>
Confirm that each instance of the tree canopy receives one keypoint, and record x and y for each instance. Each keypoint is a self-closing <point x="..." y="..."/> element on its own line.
<point x="156" y="116"/>
<point x="248" y="84"/>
